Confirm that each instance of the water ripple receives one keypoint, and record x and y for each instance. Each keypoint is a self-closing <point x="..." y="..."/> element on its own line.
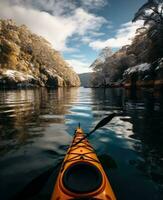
<point x="37" y="126"/>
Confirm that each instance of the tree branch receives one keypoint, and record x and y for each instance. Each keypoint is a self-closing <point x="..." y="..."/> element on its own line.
<point x="155" y="10"/>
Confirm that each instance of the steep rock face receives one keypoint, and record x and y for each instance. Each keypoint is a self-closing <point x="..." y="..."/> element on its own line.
<point x="28" y="59"/>
<point x="130" y="65"/>
<point x="144" y="75"/>
<point x="111" y="70"/>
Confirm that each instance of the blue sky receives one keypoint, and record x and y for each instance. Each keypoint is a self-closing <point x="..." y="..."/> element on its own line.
<point x="79" y="29"/>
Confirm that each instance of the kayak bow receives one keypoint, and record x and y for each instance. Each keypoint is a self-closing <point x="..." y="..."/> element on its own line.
<point x="81" y="175"/>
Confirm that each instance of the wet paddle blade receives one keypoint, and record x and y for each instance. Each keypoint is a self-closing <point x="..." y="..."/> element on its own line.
<point x="104" y="121"/>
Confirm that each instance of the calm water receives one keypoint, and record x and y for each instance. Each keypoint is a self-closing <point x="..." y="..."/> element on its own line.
<point x="37" y="125"/>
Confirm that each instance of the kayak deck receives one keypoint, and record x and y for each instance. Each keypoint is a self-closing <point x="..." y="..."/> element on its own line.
<point x="81" y="174"/>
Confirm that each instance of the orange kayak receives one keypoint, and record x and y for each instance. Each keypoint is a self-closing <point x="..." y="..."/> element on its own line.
<point x="81" y="175"/>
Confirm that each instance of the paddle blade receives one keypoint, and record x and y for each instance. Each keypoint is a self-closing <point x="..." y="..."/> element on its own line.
<point x="104" y="121"/>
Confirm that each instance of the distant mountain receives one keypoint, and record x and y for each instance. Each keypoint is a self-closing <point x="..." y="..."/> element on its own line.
<point x="29" y="60"/>
<point x="85" y="79"/>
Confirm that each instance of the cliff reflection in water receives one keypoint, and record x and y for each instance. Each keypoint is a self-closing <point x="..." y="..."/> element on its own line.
<point x="37" y="125"/>
<point x="146" y="111"/>
<point x="143" y="117"/>
<point x="144" y="107"/>
<point x="24" y="114"/>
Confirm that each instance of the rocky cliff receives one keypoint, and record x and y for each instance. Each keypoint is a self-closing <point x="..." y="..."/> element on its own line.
<point x="111" y="70"/>
<point x="29" y="60"/>
<point x="140" y="63"/>
<point x="130" y="65"/>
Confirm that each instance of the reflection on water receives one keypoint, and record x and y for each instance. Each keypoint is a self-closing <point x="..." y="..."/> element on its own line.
<point x="147" y="120"/>
<point x="37" y="125"/>
<point x="25" y="114"/>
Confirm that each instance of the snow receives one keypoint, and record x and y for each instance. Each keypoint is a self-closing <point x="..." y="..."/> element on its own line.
<point x="160" y="64"/>
<point x="138" y="68"/>
<point x="14" y="74"/>
<point x="157" y="68"/>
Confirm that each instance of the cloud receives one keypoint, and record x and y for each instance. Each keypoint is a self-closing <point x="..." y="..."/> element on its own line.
<point x="55" y="26"/>
<point x="92" y="4"/>
<point x="56" y="31"/>
<point x="86" y="40"/>
<point x="54" y="7"/>
<point x="85" y="22"/>
<point x="60" y="7"/>
<point x="123" y="37"/>
<point x="80" y="56"/>
<point x="79" y="65"/>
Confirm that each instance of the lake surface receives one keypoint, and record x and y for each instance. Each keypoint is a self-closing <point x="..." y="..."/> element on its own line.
<point x="37" y="125"/>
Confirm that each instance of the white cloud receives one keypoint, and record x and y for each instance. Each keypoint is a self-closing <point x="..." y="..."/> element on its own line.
<point x="91" y="4"/>
<point x="60" y="7"/>
<point x="86" y="39"/>
<point x="123" y="37"/>
<point x="79" y="66"/>
<point x="85" y="21"/>
<point x="54" y="7"/>
<point x="57" y="29"/>
<point x="80" y="56"/>
<point x="90" y="37"/>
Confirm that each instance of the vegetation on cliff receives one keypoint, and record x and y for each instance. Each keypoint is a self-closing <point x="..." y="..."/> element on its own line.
<point x="142" y="60"/>
<point x="29" y="60"/>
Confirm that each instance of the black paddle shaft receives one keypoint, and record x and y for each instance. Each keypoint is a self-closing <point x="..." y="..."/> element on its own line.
<point x="102" y="123"/>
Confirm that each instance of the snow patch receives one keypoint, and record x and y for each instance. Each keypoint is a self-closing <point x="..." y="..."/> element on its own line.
<point x="138" y="68"/>
<point x="14" y="74"/>
<point x="160" y="64"/>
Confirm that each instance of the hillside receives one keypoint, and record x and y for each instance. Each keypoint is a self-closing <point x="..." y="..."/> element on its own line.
<point x="29" y="60"/>
<point x="140" y="63"/>
<point x="131" y="65"/>
<point x="85" y="79"/>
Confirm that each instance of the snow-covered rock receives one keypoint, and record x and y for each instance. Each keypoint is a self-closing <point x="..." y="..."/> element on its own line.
<point x="160" y="65"/>
<point x="159" y="70"/>
<point x="13" y="79"/>
<point x="23" y="57"/>
<point x="138" y="68"/>
<point x="17" y="76"/>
